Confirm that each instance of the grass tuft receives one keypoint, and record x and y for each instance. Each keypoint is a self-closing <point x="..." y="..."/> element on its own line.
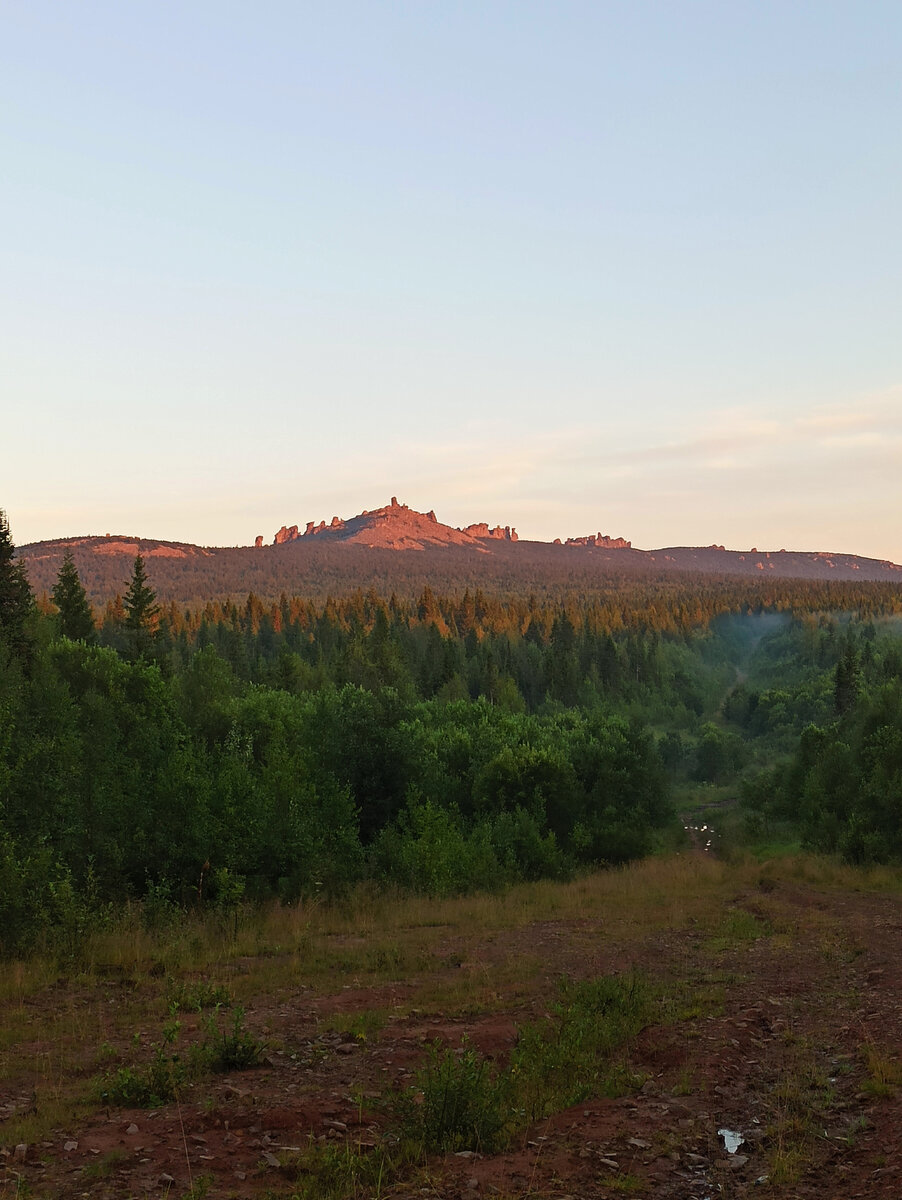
<point x="459" y="1103"/>
<point x="884" y="1071"/>
<point x="462" y="1102"/>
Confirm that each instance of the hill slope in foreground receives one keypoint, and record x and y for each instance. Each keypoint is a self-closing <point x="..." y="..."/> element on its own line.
<point x="395" y="548"/>
<point x="758" y="1054"/>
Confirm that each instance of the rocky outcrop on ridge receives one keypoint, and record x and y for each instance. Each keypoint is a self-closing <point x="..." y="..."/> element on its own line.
<point x="396" y="527"/>
<point x="499" y="532"/>
<point x="602" y="540"/>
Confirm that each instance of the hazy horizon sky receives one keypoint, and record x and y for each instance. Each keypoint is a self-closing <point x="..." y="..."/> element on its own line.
<point x="631" y="267"/>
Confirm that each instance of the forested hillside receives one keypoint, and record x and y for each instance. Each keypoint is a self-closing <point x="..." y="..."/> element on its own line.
<point x="324" y="563"/>
<point x="462" y="739"/>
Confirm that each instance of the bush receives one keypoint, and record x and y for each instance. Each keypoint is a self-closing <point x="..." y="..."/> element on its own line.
<point x="39" y="902"/>
<point x="570" y="1057"/>
<point x="458" y="1103"/>
<point x="148" y="1087"/>
<point x="462" y="1102"/>
<point x="232" y="1048"/>
<point x="428" y="851"/>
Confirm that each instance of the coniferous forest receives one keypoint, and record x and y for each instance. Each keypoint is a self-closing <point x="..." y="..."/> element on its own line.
<point x="438" y="744"/>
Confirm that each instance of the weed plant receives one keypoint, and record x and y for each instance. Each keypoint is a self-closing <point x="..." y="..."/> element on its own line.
<point x="332" y="1171"/>
<point x="151" y="1086"/>
<point x="884" y="1072"/>
<point x="799" y="1104"/>
<point x="459" y="1103"/>
<point x="462" y="1102"/>
<point x="362" y="1026"/>
<point x="231" y="1048"/>
<point x="197" y="995"/>
<point x="566" y="1059"/>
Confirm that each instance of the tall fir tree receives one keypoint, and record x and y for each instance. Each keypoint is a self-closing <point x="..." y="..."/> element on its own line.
<point x="75" y="619"/>
<point x="141" y="608"/>
<point x="16" y="599"/>
<point x="846" y="681"/>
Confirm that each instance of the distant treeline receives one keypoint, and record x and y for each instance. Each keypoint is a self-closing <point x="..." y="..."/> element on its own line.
<point x="316" y="570"/>
<point x="573" y="648"/>
<point x="456" y="740"/>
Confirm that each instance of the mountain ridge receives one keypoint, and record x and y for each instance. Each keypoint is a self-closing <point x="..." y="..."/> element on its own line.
<point x="394" y="527"/>
<point x="397" y="543"/>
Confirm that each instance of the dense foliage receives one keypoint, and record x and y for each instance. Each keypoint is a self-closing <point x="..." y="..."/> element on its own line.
<point x="459" y="741"/>
<point x="842" y="787"/>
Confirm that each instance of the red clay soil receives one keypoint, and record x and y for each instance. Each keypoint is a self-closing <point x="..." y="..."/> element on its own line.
<point x="798" y="1014"/>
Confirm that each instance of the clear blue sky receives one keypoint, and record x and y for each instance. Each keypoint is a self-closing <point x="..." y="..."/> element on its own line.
<point x="630" y="267"/>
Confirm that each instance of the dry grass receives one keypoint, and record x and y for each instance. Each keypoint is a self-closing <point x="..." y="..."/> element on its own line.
<point x="832" y="874"/>
<point x="445" y="956"/>
<point x="798" y="1103"/>
<point x="479" y="987"/>
<point x="19" y="980"/>
<point x="378" y="936"/>
<point x="884" y="1072"/>
<point x="55" y="1031"/>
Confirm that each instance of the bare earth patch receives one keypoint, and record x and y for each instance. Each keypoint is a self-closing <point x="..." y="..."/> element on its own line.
<point x="772" y="1071"/>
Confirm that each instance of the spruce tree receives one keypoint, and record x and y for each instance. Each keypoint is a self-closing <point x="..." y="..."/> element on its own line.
<point x="76" y="620"/>
<point x="140" y="607"/>
<point x="16" y="600"/>
<point x="846" y="681"/>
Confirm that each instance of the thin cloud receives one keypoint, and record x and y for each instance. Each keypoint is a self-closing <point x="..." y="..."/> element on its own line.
<point x="735" y="440"/>
<point x="731" y="475"/>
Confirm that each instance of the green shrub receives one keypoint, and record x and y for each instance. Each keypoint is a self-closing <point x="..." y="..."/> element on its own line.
<point x="337" y="1170"/>
<point x="571" y="1056"/>
<point x="232" y="1048"/>
<point x="462" y="1102"/>
<point x="159" y="909"/>
<point x="40" y="902"/>
<point x="148" y="1087"/>
<point x="458" y="1103"/>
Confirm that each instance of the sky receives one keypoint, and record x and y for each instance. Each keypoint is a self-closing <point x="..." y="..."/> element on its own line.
<point x="631" y="267"/>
